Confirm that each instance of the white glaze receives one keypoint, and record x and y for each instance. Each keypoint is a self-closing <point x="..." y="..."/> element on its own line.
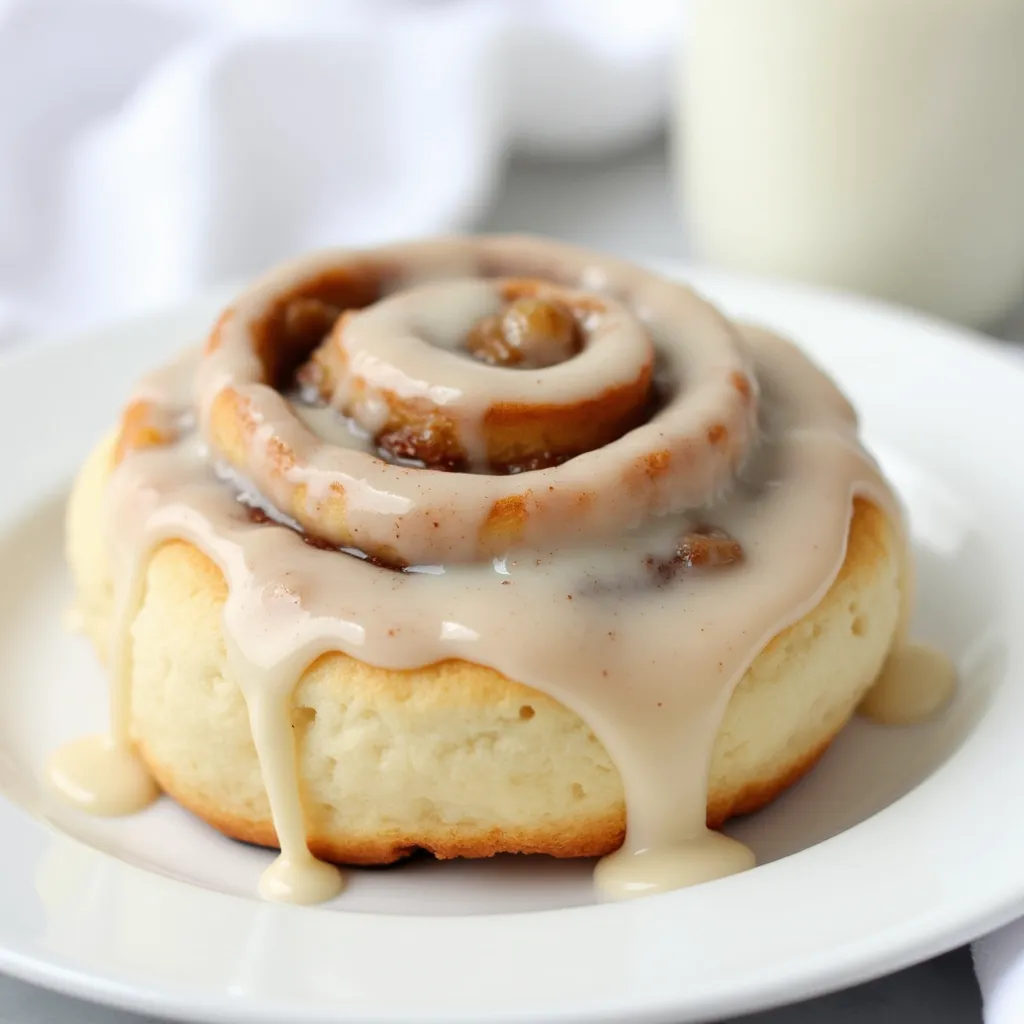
<point x="915" y="683"/>
<point x="102" y="776"/>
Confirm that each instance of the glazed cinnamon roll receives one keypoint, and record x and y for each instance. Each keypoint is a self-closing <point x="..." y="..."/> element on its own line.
<point x="482" y="545"/>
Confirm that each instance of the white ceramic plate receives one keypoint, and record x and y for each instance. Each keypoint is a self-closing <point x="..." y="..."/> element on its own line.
<point x="901" y="844"/>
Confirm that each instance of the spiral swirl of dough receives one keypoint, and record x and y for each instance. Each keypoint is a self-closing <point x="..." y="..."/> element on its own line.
<point x="395" y="322"/>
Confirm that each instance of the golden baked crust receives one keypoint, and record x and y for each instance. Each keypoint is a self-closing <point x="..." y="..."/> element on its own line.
<point x="454" y="758"/>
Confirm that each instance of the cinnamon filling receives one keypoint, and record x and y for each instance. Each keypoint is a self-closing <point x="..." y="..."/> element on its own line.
<point x="704" y="547"/>
<point x="529" y="334"/>
<point x="299" y="319"/>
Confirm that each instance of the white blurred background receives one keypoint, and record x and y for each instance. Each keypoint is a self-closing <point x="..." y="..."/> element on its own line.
<point x="151" y="148"/>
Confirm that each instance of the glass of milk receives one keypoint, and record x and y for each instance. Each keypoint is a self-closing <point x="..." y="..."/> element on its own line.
<point x="869" y="145"/>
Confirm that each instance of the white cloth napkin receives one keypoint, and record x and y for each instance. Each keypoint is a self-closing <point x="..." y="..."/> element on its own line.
<point x="999" y="965"/>
<point x="151" y="147"/>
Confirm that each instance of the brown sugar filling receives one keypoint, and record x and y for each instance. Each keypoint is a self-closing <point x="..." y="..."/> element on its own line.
<point x="529" y="334"/>
<point x="703" y="547"/>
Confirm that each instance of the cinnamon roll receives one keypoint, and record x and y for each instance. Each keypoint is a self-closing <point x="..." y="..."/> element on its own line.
<point x="481" y="545"/>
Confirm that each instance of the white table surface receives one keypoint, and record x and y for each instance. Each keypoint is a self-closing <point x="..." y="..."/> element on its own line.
<point x="625" y="205"/>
